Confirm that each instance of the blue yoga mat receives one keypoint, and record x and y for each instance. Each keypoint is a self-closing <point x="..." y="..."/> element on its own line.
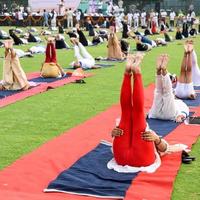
<point x="48" y="80"/>
<point x="193" y="103"/>
<point x="90" y="176"/>
<point x="6" y="93"/>
<point x="162" y="127"/>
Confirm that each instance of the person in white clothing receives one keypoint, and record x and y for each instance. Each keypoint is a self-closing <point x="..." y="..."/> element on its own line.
<point x="69" y="18"/>
<point x="84" y="59"/>
<point x="165" y="106"/>
<point x="195" y="70"/>
<point x="130" y="19"/>
<point x="136" y="16"/>
<point x="184" y="88"/>
<point x="143" y="19"/>
<point x="172" y="16"/>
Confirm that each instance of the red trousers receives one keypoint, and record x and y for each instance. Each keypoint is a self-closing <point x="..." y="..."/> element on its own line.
<point x="130" y="149"/>
<point x="50" y="53"/>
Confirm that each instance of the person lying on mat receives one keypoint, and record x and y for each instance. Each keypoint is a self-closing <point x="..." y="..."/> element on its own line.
<point x="37" y="49"/>
<point x="130" y="149"/>
<point x="60" y="42"/>
<point x="114" y="47"/>
<point x="195" y="68"/>
<point x="14" y="78"/>
<point x="184" y="88"/>
<point x="50" y="68"/>
<point x="149" y="135"/>
<point x="84" y="59"/>
<point x="165" y="106"/>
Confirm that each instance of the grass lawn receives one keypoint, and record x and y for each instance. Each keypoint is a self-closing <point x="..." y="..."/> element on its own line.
<point x="27" y="124"/>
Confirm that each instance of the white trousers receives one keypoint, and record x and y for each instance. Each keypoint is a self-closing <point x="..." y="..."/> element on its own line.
<point x="164" y="102"/>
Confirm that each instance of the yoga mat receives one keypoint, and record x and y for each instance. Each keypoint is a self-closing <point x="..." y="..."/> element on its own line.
<point x="87" y="174"/>
<point x="193" y="103"/>
<point x="38" y="89"/>
<point x="48" y="80"/>
<point x="28" y="176"/>
<point x="90" y="176"/>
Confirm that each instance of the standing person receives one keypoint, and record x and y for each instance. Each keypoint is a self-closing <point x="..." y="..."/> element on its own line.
<point x="130" y="19"/>
<point x="172" y="16"/>
<point x="163" y="16"/>
<point x="20" y="18"/>
<point x="78" y="16"/>
<point x="53" y="19"/>
<point x="136" y="16"/>
<point x="69" y="14"/>
<point x="45" y="18"/>
<point x="143" y="19"/>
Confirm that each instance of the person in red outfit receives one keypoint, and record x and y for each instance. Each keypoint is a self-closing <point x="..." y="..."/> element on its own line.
<point x="130" y="149"/>
<point x="50" y="68"/>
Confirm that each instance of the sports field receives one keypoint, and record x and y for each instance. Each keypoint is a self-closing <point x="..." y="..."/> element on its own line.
<point x="27" y="124"/>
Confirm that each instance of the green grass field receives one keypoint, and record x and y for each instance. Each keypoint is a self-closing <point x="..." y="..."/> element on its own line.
<point x="27" y="124"/>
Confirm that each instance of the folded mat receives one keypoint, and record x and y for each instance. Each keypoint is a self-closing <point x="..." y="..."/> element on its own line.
<point x="90" y="175"/>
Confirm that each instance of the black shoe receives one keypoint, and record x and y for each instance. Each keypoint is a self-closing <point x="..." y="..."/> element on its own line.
<point x="186" y="157"/>
<point x="81" y="81"/>
<point x="186" y="160"/>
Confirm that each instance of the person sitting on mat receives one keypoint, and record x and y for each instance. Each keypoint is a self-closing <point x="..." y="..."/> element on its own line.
<point x="184" y="88"/>
<point x="130" y="148"/>
<point x="14" y="77"/>
<point x="50" y="68"/>
<point x="114" y="48"/>
<point x="165" y="106"/>
<point x="84" y="59"/>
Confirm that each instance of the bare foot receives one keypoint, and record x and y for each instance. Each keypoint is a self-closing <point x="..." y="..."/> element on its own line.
<point x="159" y="64"/>
<point x="1" y="87"/>
<point x="72" y="40"/>
<point x="186" y="46"/>
<point x="190" y="47"/>
<point x="130" y="61"/>
<point x="164" y="64"/>
<point x="192" y="96"/>
<point x="136" y="65"/>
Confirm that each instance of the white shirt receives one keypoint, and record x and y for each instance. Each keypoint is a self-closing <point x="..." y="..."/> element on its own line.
<point x="69" y="14"/>
<point x="143" y="14"/>
<point x="172" y="15"/>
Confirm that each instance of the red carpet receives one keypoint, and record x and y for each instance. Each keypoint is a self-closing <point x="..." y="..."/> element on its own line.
<point x="38" y="89"/>
<point x="27" y="177"/>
